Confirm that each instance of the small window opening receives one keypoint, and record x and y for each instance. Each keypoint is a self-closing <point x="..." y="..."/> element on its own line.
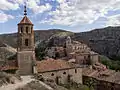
<point x="21" y="29"/>
<point x="75" y="70"/>
<point x="31" y="29"/>
<point x="26" y="42"/>
<point x="52" y="74"/>
<point x="64" y="72"/>
<point x="26" y="29"/>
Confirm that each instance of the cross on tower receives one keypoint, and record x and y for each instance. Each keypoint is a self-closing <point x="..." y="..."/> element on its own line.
<point x="25" y="11"/>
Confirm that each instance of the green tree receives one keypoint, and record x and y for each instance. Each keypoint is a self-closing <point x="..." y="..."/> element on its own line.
<point x="40" y="50"/>
<point x="90" y="83"/>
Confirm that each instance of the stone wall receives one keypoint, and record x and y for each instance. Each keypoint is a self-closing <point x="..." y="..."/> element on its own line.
<point x="25" y="62"/>
<point x="94" y="58"/>
<point x="100" y="84"/>
<point x="56" y="52"/>
<point x="62" y="75"/>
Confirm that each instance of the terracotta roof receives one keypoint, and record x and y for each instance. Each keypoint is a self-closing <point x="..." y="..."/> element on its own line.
<point x="50" y="65"/>
<point x="104" y="75"/>
<point x="25" y="20"/>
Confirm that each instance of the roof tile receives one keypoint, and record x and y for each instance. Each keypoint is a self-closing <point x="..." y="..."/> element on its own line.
<point x="50" y="64"/>
<point x="25" y="20"/>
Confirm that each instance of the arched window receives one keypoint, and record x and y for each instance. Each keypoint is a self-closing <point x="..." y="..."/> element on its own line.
<point x="26" y="29"/>
<point x="26" y="42"/>
<point x="21" y="29"/>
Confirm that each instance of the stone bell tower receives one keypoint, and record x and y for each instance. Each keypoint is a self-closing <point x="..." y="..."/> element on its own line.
<point x="26" y="47"/>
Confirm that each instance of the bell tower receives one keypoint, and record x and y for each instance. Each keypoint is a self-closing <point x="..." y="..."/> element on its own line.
<point x="26" y="47"/>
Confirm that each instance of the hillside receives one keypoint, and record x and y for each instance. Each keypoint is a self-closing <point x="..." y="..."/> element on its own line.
<point x="11" y="39"/>
<point x="6" y="51"/>
<point x="105" y="41"/>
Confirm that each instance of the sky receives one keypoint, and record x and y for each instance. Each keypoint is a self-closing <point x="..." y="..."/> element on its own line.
<point x="71" y="15"/>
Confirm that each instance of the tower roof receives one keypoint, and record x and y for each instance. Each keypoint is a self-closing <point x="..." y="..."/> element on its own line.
<point x="25" y="19"/>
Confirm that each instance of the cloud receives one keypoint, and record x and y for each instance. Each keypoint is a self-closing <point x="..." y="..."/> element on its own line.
<point x="113" y="20"/>
<point x="32" y="4"/>
<point x="37" y="8"/>
<point x="20" y="2"/>
<point x="4" y="17"/>
<point x="79" y="12"/>
<point x="7" y="5"/>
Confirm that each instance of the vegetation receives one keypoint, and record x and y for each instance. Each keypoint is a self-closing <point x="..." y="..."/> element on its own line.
<point x="13" y="57"/>
<point x="90" y="82"/>
<point x="40" y="50"/>
<point x="11" y="71"/>
<point x="75" y="86"/>
<point x="111" y="64"/>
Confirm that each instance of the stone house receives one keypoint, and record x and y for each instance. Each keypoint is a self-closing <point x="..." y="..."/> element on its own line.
<point x="56" y="52"/>
<point x="86" y="58"/>
<point x="59" y="71"/>
<point x="72" y="50"/>
<point x="102" y="79"/>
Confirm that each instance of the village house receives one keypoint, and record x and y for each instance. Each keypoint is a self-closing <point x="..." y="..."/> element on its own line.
<point x="60" y="71"/>
<point x="65" y="47"/>
<point x="101" y="79"/>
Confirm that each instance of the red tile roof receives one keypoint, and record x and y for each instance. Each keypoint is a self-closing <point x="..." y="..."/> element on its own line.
<point x="50" y="64"/>
<point x="25" y="20"/>
<point x="104" y="75"/>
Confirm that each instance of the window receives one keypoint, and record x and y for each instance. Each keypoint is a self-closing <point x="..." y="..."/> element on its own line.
<point x="26" y="42"/>
<point x="69" y="78"/>
<point x="26" y="29"/>
<point x="64" y="72"/>
<point x="21" y="29"/>
<point x="52" y="74"/>
<point x="75" y="70"/>
<point x="88" y="56"/>
<point x="31" y="28"/>
<point x="84" y="57"/>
